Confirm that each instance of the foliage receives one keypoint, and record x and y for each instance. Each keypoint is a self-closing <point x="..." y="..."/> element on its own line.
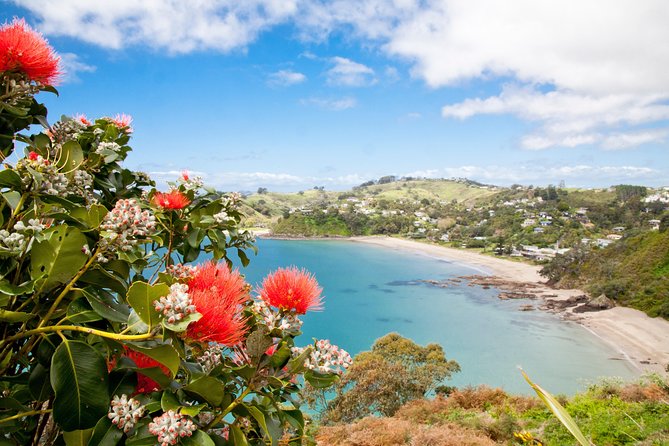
<point x="109" y="335"/>
<point x="610" y="413"/>
<point x="395" y="371"/>
<point x="559" y="411"/>
<point x="632" y="271"/>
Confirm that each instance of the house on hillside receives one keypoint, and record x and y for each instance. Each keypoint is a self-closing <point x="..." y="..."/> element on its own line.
<point x="603" y="243"/>
<point x="654" y="224"/>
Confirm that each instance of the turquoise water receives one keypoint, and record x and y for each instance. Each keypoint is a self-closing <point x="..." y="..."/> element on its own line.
<point x="366" y="296"/>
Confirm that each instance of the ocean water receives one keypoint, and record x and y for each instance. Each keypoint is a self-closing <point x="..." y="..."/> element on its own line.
<point x="369" y="292"/>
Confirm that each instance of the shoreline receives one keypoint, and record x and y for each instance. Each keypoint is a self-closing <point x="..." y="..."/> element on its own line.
<point x="638" y="339"/>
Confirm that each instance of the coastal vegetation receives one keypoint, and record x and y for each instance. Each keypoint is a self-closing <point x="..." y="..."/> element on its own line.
<point x="608" y="413"/>
<point x="609" y="241"/>
<point x="633" y="272"/>
<point x="395" y="394"/>
<point x="112" y="333"/>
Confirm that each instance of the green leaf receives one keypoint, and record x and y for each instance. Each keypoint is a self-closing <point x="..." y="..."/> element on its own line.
<point x="169" y="401"/>
<point x="16" y="290"/>
<point x="78" y="437"/>
<point x="243" y="257"/>
<point x="42" y="141"/>
<point x="105" y="279"/>
<point x="257" y="344"/>
<point x="58" y="258"/>
<point x="559" y="411"/>
<point x="239" y="439"/>
<point x="142" y="436"/>
<point x="13" y="198"/>
<point x="295" y="418"/>
<point x="260" y="418"/>
<point x="280" y="357"/>
<point x="296" y="365"/>
<point x="192" y="411"/>
<point x="182" y="325"/>
<point x="79" y="379"/>
<point x="105" y="433"/>
<point x="211" y="389"/>
<point x="16" y="111"/>
<point x="164" y="354"/>
<point x="71" y="157"/>
<point x="9" y="178"/>
<point x="39" y="384"/>
<point x="141" y="296"/>
<point x="135" y="324"/>
<point x="105" y="304"/>
<point x="122" y="382"/>
<point x="198" y="438"/>
<point x="14" y="316"/>
<point x="320" y="380"/>
<point x="93" y="216"/>
<point x="79" y="311"/>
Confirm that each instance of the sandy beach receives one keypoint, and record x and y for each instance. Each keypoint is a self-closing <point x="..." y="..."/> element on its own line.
<point x="638" y="338"/>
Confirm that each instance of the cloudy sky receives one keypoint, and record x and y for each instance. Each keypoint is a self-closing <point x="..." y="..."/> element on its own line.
<point x="291" y="94"/>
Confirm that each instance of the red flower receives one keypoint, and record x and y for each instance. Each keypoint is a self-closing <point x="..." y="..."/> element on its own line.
<point x="144" y="383"/>
<point x="122" y="122"/>
<point x="292" y="289"/>
<point x="185" y="176"/>
<point x="26" y="51"/>
<point x="218" y="294"/>
<point x="83" y="120"/>
<point x="171" y="200"/>
<point x="32" y="156"/>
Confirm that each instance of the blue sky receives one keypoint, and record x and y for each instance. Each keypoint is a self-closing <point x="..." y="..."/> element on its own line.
<point x="291" y="94"/>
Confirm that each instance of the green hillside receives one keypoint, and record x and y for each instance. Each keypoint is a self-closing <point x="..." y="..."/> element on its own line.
<point x="634" y="271"/>
<point x="445" y="190"/>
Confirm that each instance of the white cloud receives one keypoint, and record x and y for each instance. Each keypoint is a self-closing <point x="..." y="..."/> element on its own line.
<point x="331" y="104"/>
<point x="286" y="78"/>
<point x="178" y="27"/>
<point x="604" y="63"/>
<point x="72" y="65"/>
<point x="576" y="175"/>
<point x="571" y="119"/>
<point x="349" y="73"/>
<point x="624" y="140"/>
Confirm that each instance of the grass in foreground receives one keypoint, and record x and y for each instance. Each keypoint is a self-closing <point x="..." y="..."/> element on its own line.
<point x="609" y="413"/>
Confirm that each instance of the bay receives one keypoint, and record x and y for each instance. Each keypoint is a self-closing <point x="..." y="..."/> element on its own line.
<point x="371" y="291"/>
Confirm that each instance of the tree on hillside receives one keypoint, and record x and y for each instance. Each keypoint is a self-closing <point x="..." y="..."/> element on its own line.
<point x="380" y="381"/>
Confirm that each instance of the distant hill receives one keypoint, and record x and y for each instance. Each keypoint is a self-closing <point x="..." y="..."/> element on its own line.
<point x="265" y="208"/>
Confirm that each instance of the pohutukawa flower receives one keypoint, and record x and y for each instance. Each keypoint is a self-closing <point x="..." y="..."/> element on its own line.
<point x="83" y="120"/>
<point x="325" y="358"/>
<point x="144" y="383"/>
<point x="24" y="50"/>
<point x="218" y="294"/>
<point x="122" y="122"/>
<point x="181" y="271"/>
<point x="176" y="305"/>
<point x="292" y="289"/>
<point x="171" y="426"/>
<point x="173" y="199"/>
<point x="125" y="412"/>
